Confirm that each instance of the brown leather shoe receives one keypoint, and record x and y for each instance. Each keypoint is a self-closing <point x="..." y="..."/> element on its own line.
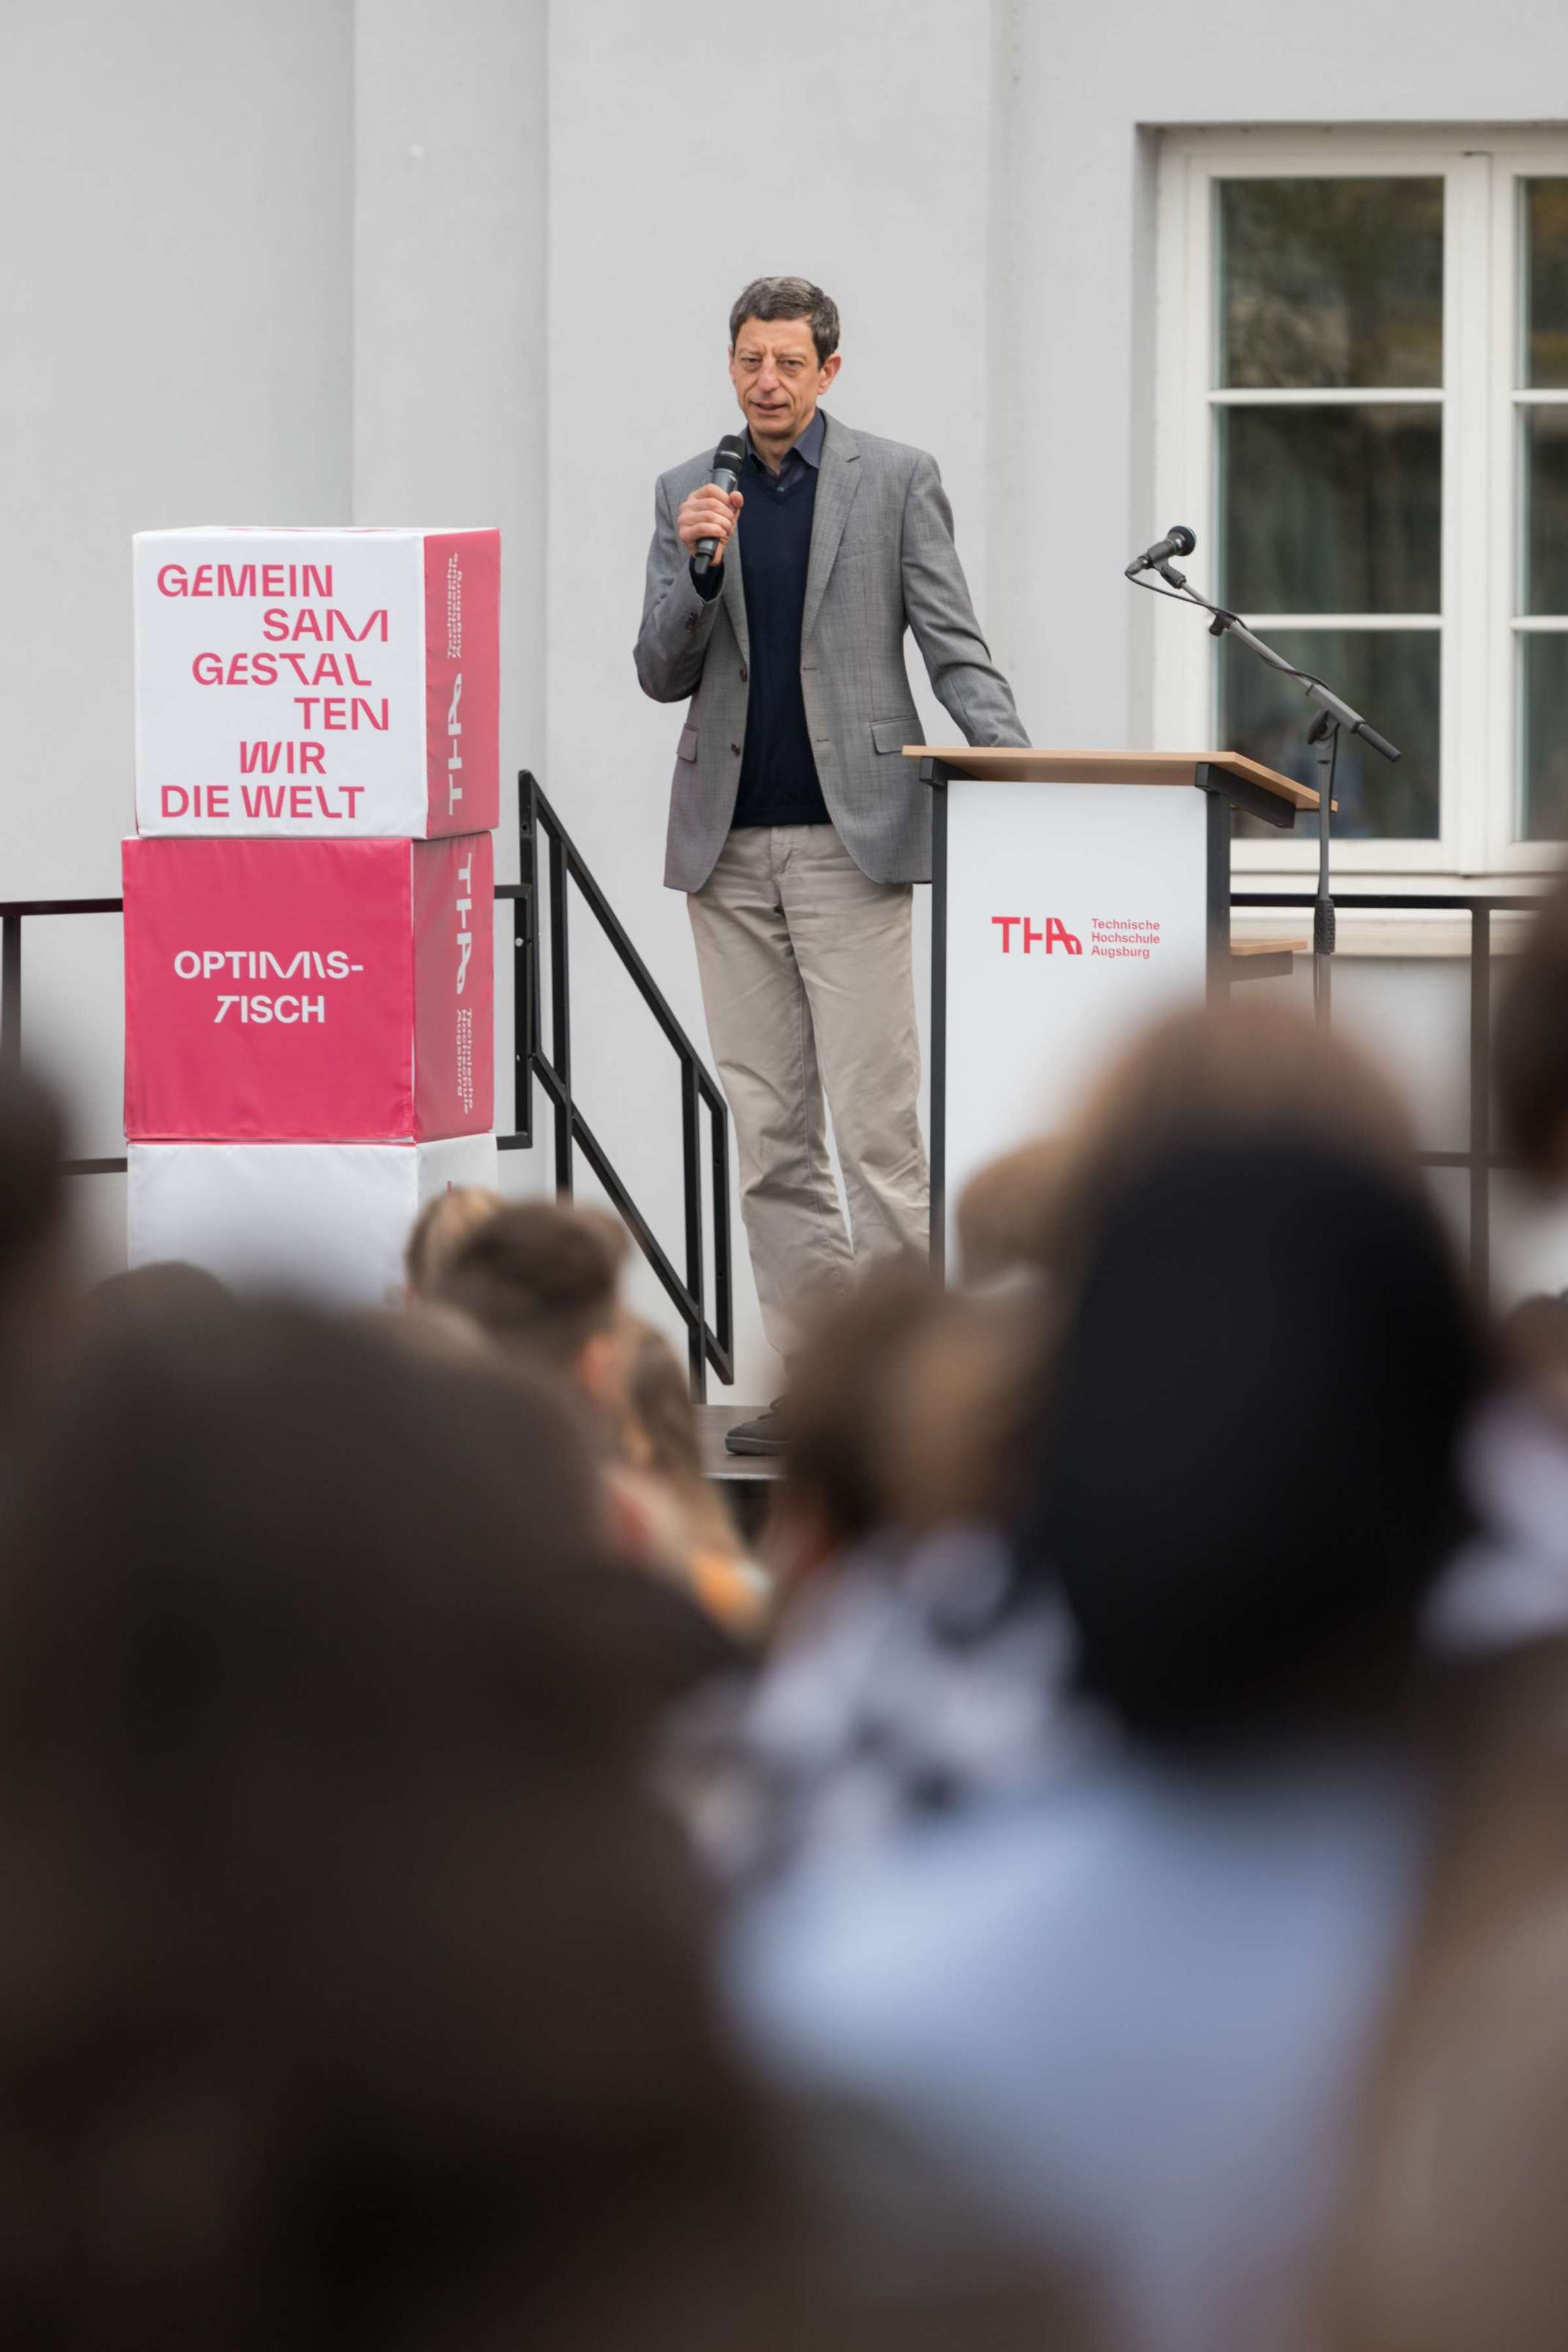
<point x="768" y="1433"/>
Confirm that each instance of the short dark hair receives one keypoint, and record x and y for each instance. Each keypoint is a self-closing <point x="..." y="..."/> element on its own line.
<point x="789" y="297"/>
<point x="540" y="1276"/>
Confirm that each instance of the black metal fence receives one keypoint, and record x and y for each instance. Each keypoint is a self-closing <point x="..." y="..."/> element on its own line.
<point x="1479" y="1157"/>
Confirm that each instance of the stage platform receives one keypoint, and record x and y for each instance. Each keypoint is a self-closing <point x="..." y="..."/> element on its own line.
<point x="746" y="1481"/>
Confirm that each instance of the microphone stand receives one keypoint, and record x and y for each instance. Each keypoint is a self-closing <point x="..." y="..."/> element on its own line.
<point x="1324" y="737"/>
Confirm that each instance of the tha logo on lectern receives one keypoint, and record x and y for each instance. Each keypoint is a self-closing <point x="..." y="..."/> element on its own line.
<point x="1055" y="935"/>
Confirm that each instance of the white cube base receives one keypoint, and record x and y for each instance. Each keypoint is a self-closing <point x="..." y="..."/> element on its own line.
<point x="325" y="1220"/>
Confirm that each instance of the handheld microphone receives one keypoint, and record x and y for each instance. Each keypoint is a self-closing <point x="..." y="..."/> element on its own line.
<point x="728" y="459"/>
<point x="1178" y="540"/>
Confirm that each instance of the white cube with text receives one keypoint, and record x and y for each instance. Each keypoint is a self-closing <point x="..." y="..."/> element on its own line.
<point x="317" y="683"/>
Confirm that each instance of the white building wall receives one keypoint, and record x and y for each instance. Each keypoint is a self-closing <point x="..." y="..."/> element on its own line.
<point x="691" y="150"/>
<point x="297" y="260"/>
<point x="175" y="188"/>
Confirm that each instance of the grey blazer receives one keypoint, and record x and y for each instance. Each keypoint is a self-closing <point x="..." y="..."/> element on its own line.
<point x="883" y="560"/>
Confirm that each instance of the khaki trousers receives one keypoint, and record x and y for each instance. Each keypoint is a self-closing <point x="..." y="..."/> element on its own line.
<point x="806" y="983"/>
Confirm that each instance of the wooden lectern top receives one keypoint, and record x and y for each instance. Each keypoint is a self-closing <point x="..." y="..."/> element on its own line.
<point x="1004" y="764"/>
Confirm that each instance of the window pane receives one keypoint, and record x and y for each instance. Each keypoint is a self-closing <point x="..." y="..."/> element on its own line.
<point x="1389" y="673"/>
<point x="1329" y="282"/>
<point x="1331" y="509"/>
<point x="1546" y="283"/>
<point x="1543" y="471"/>
<point x="1544" y="694"/>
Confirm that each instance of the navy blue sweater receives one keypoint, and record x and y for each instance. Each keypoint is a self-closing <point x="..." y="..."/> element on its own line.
<point x="778" y="775"/>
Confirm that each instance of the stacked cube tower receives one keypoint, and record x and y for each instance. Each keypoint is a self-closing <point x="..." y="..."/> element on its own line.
<point x="309" y="897"/>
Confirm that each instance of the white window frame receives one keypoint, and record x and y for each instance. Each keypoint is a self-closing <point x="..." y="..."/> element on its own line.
<point x="1482" y="495"/>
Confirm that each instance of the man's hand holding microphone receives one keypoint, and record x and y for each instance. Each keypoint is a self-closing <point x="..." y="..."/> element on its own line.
<point x="708" y="515"/>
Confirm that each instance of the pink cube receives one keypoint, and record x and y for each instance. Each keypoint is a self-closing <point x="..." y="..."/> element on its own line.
<point x="309" y="990"/>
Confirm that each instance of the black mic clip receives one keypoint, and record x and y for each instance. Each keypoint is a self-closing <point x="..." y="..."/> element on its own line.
<point x="1178" y="540"/>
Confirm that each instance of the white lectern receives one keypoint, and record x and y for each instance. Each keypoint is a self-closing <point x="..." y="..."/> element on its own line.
<point x="1076" y="896"/>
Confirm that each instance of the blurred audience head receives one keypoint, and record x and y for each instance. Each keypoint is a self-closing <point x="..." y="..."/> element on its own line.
<point x="352" y="1989"/>
<point x="349" y="1985"/>
<point x="439" y="1231"/>
<point x="167" y="1287"/>
<point x="1238" y="1073"/>
<point x="900" y="1400"/>
<point x="1005" y="1213"/>
<point x="1244" y="1456"/>
<point x="543" y="1279"/>
<point x="1530" y="1045"/>
<point x="663" y="1453"/>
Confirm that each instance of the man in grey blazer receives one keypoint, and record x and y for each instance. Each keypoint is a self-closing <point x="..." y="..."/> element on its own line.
<point x="796" y="828"/>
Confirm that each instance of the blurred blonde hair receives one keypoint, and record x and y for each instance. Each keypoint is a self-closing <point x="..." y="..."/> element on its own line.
<point x="663" y="1449"/>
<point x="902" y="1408"/>
<point x="439" y="1231"/>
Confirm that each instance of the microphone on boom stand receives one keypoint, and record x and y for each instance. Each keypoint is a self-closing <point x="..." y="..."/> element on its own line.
<point x="1323" y="735"/>
<point x="1178" y="540"/>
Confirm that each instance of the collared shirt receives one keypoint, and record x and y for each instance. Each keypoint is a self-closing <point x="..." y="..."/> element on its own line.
<point x="807" y="451"/>
<point x="778" y="782"/>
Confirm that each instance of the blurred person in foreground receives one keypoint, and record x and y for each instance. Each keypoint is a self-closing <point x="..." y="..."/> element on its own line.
<point x="901" y="1681"/>
<point x="1513" y="1585"/>
<point x="1130" y="2003"/>
<point x="909" y="1674"/>
<point x="352" y="1992"/>
<point x="542" y="1279"/>
<point x="1453" y="2231"/>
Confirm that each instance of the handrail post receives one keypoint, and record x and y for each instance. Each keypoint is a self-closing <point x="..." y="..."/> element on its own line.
<point x="525" y="962"/>
<point x="696" y="1272"/>
<point x="10" y="991"/>
<point x="723" y="1294"/>
<point x="560" y="1013"/>
<point x="1480" y="1097"/>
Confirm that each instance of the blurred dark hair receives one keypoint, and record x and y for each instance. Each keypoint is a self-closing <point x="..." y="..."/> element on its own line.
<point x="353" y="1992"/>
<point x="1244" y="1465"/>
<point x="541" y="1276"/>
<point x="1529" y="1045"/>
<point x="344" y="1964"/>
<point x="1238" y="1073"/>
<point x="166" y="1287"/>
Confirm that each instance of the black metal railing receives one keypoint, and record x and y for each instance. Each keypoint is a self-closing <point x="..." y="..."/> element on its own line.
<point x="544" y="841"/>
<point x="14" y="913"/>
<point x="1479" y="1157"/>
<point x="709" y="1343"/>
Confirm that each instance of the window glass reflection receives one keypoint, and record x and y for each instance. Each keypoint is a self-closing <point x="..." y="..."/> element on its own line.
<point x="1331" y="509"/>
<point x="1546" y="284"/>
<point x="1543" y="665"/>
<point x="1543" y="475"/>
<point x="1389" y="673"/>
<point x="1330" y="282"/>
